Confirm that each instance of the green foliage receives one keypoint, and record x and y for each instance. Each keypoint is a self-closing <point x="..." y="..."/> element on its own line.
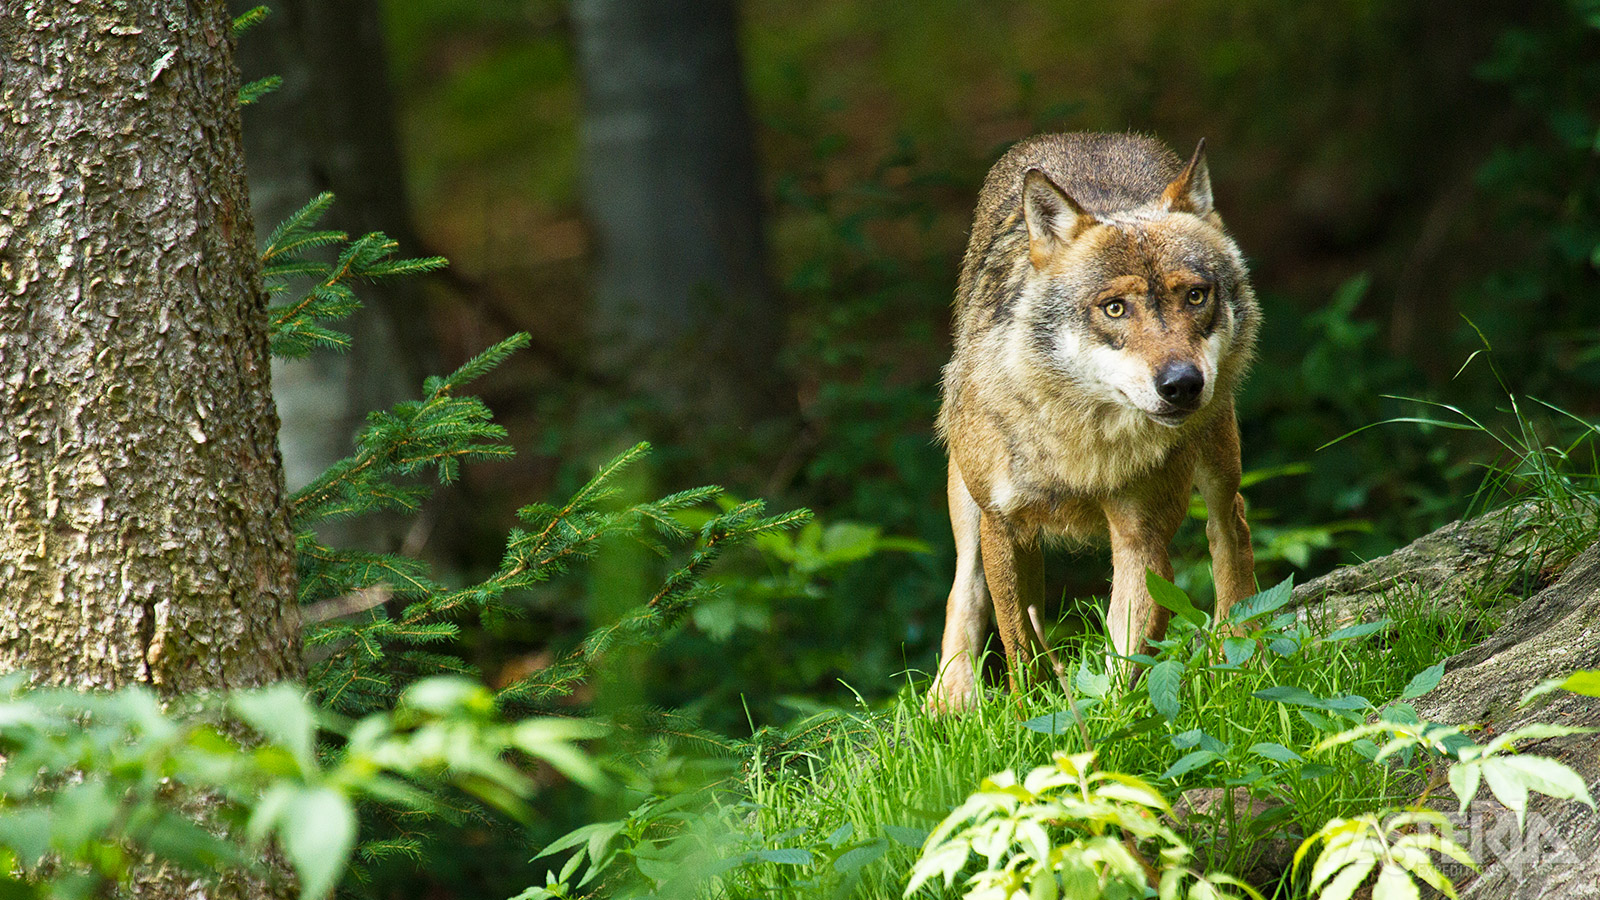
<point x="1067" y="831"/>
<point x="1395" y="846"/>
<point x="94" y="783"/>
<point x="778" y="621"/>
<point x="376" y="622"/>
<point x="1236" y="709"/>
<point x="1399" y="846"/>
<point x="252" y="91"/>
<point x="365" y="654"/>
<point x="1510" y="776"/>
<point x="325" y="289"/>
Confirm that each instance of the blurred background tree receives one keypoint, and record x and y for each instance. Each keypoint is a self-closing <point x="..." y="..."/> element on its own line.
<point x="735" y="229"/>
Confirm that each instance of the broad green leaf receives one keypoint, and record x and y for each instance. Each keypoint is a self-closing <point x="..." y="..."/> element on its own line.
<point x="1165" y="680"/>
<point x="1269" y="600"/>
<point x="1351" y="632"/>
<point x="1586" y="682"/>
<point x="856" y="857"/>
<point x="1464" y="780"/>
<point x="1190" y="762"/>
<point x="1094" y="684"/>
<point x="841" y="834"/>
<point x="786" y="856"/>
<point x="282" y="715"/>
<point x="1276" y="752"/>
<point x="1295" y="696"/>
<point x="911" y="837"/>
<point x="1173" y="598"/>
<point x="1051" y="723"/>
<point x="1237" y="651"/>
<point x="176" y="838"/>
<point x="26" y="831"/>
<point x="1423" y="682"/>
<point x="1547" y="776"/>
<point x="1394" y="883"/>
<point x="317" y="831"/>
<point x="444" y="695"/>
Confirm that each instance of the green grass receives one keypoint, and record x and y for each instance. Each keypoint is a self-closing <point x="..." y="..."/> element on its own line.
<point x="838" y="805"/>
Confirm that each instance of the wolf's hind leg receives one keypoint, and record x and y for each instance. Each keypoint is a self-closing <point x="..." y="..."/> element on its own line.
<point x="1233" y="562"/>
<point x="967" y="611"/>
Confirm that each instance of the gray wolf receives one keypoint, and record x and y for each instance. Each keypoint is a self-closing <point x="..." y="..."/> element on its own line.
<point x="1104" y="320"/>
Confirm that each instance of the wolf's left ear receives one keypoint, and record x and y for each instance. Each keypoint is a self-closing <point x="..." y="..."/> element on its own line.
<point x="1053" y="218"/>
<point x="1190" y="192"/>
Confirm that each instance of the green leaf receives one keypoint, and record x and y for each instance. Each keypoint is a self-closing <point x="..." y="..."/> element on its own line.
<point x="1535" y="773"/>
<point x="1284" y="646"/>
<point x="1237" y="651"/>
<point x="26" y="831"/>
<point x="1173" y="598"/>
<point x="1344" y="885"/>
<point x="911" y="837"/>
<point x="1166" y="679"/>
<point x="1093" y="684"/>
<point x="1276" y="751"/>
<point x="180" y="840"/>
<point x="1052" y="723"/>
<point x="1351" y="632"/>
<point x="317" y="831"/>
<point x="1190" y="762"/>
<point x="786" y="856"/>
<point x="853" y="859"/>
<point x="1585" y="682"/>
<point x="1394" y="883"/>
<point x="281" y="714"/>
<point x="1295" y="696"/>
<point x="1423" y="682"/>
<point x="1258" y="605"/>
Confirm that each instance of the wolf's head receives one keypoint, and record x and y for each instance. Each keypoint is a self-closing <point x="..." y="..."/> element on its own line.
<point x="1148" y="307"/>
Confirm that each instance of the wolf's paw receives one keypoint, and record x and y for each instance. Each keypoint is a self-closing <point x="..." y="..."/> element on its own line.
<point x="954" y="690"/>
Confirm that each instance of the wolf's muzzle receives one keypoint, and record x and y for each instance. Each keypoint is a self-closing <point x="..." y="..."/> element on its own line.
<point x="1180" y="383"/>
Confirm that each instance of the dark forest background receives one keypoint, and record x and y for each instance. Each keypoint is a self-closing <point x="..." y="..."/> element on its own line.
<point x="734" y="229"/>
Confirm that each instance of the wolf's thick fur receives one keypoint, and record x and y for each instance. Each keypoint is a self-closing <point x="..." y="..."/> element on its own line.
<point x="1104" y="319"/>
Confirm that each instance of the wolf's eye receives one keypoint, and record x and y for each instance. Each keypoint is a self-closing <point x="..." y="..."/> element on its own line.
<point x="1197" y="296"/>
<point x="1115" y="309"/>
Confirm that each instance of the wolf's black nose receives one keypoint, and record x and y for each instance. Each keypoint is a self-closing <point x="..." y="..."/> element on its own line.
<point x="1179" y="383"/>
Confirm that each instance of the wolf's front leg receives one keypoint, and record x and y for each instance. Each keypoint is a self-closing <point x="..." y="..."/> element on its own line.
<point x="1141" y="531"/>
<point x="1233" y="562"/>
<point x="966" y="613"/>
<point x="1013" y="565"/>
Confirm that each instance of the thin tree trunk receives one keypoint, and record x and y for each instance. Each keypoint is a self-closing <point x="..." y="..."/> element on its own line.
<point x="683" y="310"/>
<point x="143" y="534"/>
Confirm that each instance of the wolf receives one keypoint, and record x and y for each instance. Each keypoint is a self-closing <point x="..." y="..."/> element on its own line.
<point x="1104" y="319"/>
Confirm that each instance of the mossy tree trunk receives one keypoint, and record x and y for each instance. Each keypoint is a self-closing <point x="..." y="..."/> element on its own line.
<point x="143" y="532"/>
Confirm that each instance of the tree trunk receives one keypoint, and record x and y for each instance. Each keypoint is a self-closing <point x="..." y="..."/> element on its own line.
<point x="143" y="534"/>
<point x="331" y="127"/>
<point x="683" y="310"/>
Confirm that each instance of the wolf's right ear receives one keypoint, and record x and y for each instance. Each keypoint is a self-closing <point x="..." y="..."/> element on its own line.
<point x="1053" y="218"/>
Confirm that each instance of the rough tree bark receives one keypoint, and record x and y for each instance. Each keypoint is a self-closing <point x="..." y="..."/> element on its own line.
<point x="683" y="310"/>
<point x="143" y="534"/>
<point x="331" y="127"/>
